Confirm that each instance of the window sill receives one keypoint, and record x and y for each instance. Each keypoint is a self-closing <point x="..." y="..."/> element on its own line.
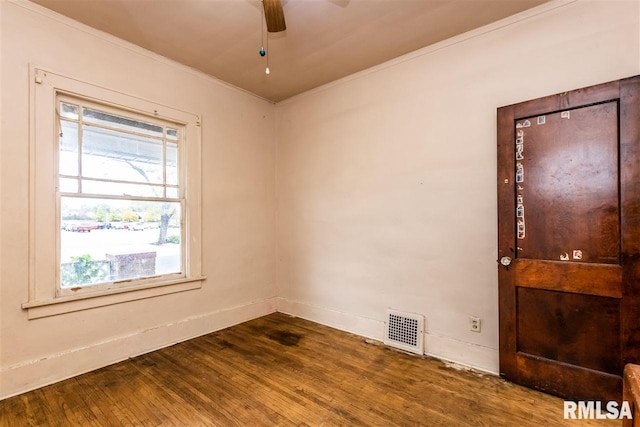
<point x="71" y="303"/>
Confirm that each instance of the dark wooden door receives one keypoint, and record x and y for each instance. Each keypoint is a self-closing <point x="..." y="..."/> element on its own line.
<point x="569" y="240"/>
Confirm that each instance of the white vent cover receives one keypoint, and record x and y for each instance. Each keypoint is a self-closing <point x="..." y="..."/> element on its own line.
<point x="404" y="331"/>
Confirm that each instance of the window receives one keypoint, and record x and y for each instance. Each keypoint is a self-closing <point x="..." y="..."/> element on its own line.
<point x="120" y="197"/>
<point x="115" y="197"/>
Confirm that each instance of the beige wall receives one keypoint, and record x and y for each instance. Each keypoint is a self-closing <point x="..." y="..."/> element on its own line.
<point x="387" y="179"/>
<point x="238" y="146"/>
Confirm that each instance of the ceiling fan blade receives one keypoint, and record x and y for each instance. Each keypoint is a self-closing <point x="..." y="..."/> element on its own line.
<point x="274" y="16"/>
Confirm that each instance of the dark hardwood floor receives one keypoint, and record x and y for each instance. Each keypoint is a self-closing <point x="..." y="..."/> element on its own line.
<point x="285" y="371"/>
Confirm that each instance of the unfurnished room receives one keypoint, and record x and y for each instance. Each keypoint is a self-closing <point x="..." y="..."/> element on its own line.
<point x="319" y="212"/>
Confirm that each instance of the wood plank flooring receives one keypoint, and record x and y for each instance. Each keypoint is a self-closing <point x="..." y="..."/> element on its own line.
<point x="283" y="371"/>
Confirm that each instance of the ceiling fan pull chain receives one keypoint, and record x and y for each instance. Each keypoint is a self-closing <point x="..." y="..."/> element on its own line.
<point x="262" y="52"/>
<point x="267" y="71"/>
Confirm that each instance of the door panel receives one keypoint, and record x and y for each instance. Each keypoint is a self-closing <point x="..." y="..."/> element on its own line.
<point x="569" y="240"/>
<point x="568" y="200"/>
<point x="562" y="326"/>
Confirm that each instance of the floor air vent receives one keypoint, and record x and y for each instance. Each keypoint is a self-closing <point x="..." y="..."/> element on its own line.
<point x="404" y="331"/>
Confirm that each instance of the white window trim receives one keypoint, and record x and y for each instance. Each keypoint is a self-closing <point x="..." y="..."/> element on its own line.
<point x="44" y="300"/>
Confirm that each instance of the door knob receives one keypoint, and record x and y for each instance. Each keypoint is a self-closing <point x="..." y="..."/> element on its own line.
<point x="505" y="260"/>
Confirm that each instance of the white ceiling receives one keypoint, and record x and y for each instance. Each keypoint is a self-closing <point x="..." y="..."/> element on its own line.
<point x="324" y="41"/>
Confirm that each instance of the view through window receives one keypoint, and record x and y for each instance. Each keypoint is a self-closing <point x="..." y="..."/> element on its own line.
<point x="120" y="196"/>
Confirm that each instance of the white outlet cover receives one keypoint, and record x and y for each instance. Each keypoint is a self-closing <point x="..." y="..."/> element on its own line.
<point x="475" y="324"/>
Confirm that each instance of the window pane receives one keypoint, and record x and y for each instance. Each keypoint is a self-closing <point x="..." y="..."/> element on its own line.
<point x="172" y="163"/>
<point x="68" y="185"/>
<point x="104" y="240"/>
<point x="68" y="148"/>
<point x="172" y="134"/>
<point x="108" y="154"/>
<point x="121" y="189"/>
<point x="69" y="110"/>
<point x="106" y="119"/>
<point x="172" y="193"/>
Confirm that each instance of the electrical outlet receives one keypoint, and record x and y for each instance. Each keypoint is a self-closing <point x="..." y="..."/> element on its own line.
<point x="474" y="324"/>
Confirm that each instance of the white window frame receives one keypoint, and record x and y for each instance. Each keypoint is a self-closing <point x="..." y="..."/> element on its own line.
<point x="45" y="296"/>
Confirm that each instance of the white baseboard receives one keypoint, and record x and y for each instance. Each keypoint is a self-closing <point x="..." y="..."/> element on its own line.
<point x="26" y="376"/>
<point x="369" y="328"/>
<point x="463" y="353"/>
<point x="448" y="349"/>
<point x="30" y="375"/>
